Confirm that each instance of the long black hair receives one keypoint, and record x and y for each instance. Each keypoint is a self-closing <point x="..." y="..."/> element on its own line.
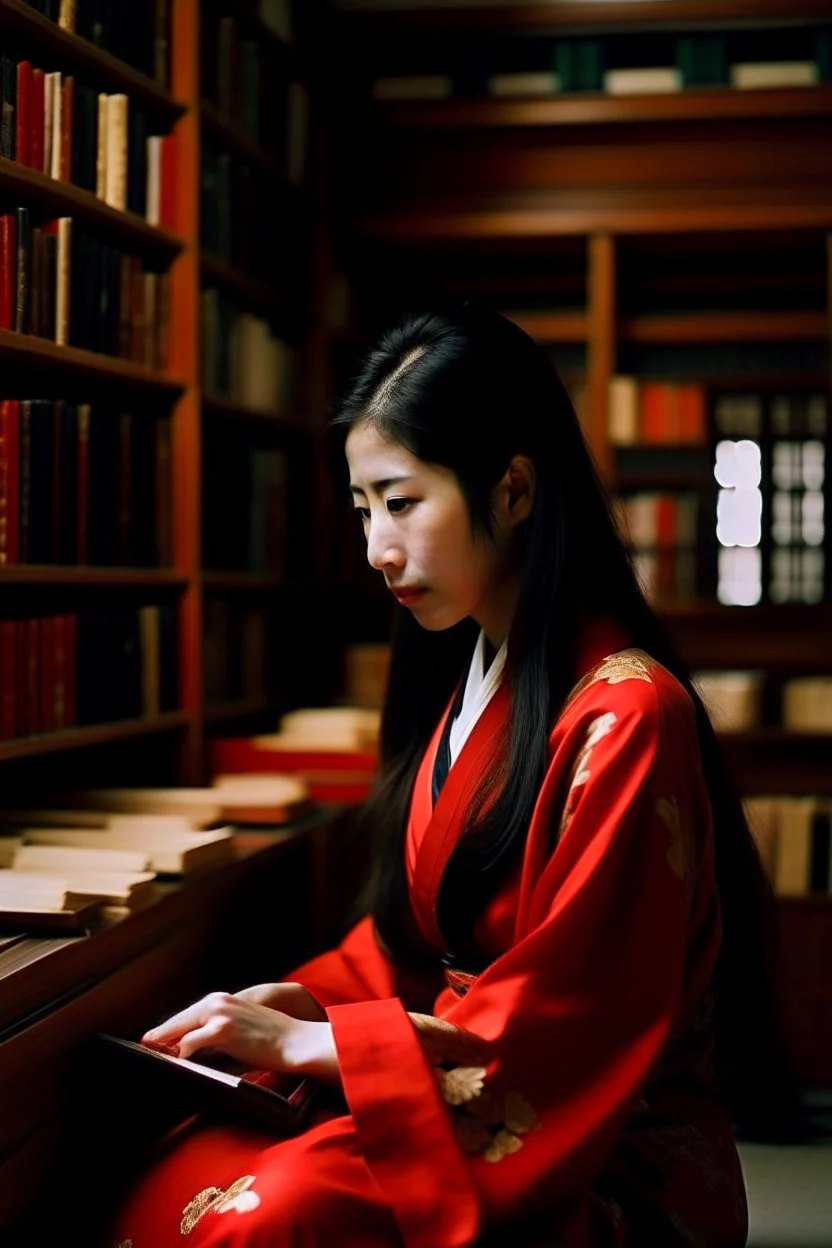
<point x="469" y="390"/>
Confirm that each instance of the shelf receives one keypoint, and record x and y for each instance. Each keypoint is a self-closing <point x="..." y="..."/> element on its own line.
<point x="69" y="51"/>
<point x="222" y="711"/>
<point x="245" y="582"/>
<point x="595" y="109"/>
<point x="241" y="145"/>
<point x="659" y="466"/>
<point x="233" y="281"/>
<point x="374" y="18"/>
<point x="774" y="760"/>
<point x="97" y="734"/>
<point x="698" y="327"/>
<point x="62" y="199"/>
<point x="27" y="351"/>
<point x="227" y="409"/>
<point x="792" y="638"/>
<point x="79" y="577"/>
<point x="552" y="327"/>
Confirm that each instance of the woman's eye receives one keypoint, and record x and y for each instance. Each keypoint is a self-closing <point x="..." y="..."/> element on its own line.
<point x="396" y="505"/>
<point x="363" y="513"/>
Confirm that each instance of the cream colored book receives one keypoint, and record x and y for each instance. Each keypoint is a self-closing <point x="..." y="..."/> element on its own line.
<point x="57" y="109"/>
<point x="524" y="85"/>
<point x="129" y="889"/>
<point x="756" y="75"/>
<point x="65" y="856"/>
<point x="623" y="416"/>
<point x="78" y="817"/>
<point x="333" y="727"/>
<point x="63" y="280"/>
<point x="762" y="813"/>
<point x="733" y="698"/>
<point x="48" y="118"/>
<point x="67" y="15"/>
<point x="38" y="891"/>
<point x="154" y="179"/>
<point x="168" y="851"/>
<point x="650" y="80"/>
<point x="101" y="148"/>
<point x="116" y="192"/>
<point x="793" y="859"/>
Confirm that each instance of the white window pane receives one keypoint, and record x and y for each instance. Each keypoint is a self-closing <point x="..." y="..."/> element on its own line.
<point x="739" y="576"/>
<point x="739" y="517"/>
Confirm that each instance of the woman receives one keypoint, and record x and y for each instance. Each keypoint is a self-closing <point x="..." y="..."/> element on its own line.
<point x="536" y="1030"/>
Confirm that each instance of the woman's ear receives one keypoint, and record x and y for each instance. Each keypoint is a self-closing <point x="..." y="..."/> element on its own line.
<point x="515" y="492"/>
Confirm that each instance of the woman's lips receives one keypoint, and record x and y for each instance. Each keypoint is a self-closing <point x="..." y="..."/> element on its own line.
<point x="408" y="597"/>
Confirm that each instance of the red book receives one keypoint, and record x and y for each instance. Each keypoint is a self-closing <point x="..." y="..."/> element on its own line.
<point x="33" y="674"/>
<point x="58" y="716"/>
<point x="656" y="413"/>
<point x="9" y="480"/>
<point x="8" y="270"/>
<point x="693" y="421"/>
<point x="36" y="120"/>
<point x="71" y="669"/>
<point x="8" y="701"/>
<point x="67" y="109"/>
<point x="21" y="683"/>
<point x="167" y="194"/>
<point x="83" y="486"/>
<point x="47" y="674"/>
<point x="23" y="118"/>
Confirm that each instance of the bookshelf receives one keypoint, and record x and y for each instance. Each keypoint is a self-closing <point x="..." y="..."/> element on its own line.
<point x="267" y="276"/>
<point x="679" y="239"/>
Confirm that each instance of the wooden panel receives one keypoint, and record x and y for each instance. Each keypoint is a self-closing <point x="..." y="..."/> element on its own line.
<point x="601" y="347"/>
<point x="95" y="734"/>
<point x="26" y="351"/>
<point x="726" y="327"/>
<point x="791" y="638"/>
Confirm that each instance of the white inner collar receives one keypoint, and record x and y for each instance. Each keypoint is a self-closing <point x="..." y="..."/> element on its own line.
<point x="480" y="688"/>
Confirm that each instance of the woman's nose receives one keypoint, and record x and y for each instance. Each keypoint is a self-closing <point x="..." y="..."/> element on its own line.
<point x="382" y="551"/>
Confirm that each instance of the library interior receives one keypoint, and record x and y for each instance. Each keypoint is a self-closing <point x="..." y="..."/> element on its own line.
<point x="210" y="213"/>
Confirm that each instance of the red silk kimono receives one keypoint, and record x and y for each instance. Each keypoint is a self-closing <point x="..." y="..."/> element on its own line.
<point x="567" y="1095"/>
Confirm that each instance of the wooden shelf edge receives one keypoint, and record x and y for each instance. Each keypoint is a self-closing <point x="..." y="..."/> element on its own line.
<point x="71" y="49"/>
<point x="247" y="582"/>
<point x="236" y="282"/>
<point x="725" y="327"/>
<point x="30" y="351"/>
<point x="64" y="199"/>
<point x="552" y="327"/>
<point x="227" y="409"/>
<point x="95" y="734"/>
<point x="598" y="108"/>
<point x="222" y="711"/>
<point x="78" y="577"/>
<point x="243" y="146"/>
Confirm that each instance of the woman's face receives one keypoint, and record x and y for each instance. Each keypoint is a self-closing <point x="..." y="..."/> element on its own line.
<point x="418" y="530"/>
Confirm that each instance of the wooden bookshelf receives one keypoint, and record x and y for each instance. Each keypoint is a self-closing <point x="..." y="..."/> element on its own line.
<point x="63" y="199"/>
<point x="33" y="365"/>
<point x="96" y="734"/>
<point x="73" y="53"/>
<point x="590" y="109"/>
<point x="29" y="352"/>
<point x="727" y="327"/>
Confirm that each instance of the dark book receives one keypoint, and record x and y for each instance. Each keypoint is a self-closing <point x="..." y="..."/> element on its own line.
<point x="137" y="160"/>
<point x="41" y="481"/>
<point x="23" y="277"/>
<point x="67" y="508"/>
<point x="37" y="284"/>
<point x="24" y="478"/>
<point x="8" y="96"/>
<point x="23" y="120"/>
<point x="217" y="1085"/>
<point x="9" y="480"/>
<point x="168" y="659"/>
<point x="820" y="879"/>
<point x="8" y="267"/>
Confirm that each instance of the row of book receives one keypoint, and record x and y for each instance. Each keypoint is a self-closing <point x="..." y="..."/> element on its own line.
<point x="656" y="413"/>
<point x="74" y="133"/>
<point x="106" y="847"/>
<point x="794" y="838"/>
<point x="661" y="531"/>
<point x="63" y="671"/>
<point x="242" y="358"/>
<point x="734" y="699"/>
<point x="245" y="505"/>
<point x="237" y="644"/>
<point x="138" y="33"/>
<point x="60" y="283"/>
<point x="540" y="67"/>
<point x="84" y="484"/>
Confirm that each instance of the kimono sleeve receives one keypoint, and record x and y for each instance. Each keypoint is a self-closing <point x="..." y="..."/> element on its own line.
<point x="360" y="970"/>
<point x="564" y="1028"/>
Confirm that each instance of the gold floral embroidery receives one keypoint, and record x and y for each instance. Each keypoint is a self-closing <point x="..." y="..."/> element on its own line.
<point x="461" y="1083"/>
<point x="213" y="1199"/>
<point x="124" y="1243"/>
<point x="598" y="729"/>
<point x="492" y="1127"/>
<point x="680" y="848"/>
<point x="615" y="668"/>
<point x="443" y="1042"/>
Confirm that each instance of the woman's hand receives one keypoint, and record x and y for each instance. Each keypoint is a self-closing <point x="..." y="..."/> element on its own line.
<point x="291" y="999"/>
<point x="258" y="1036"/>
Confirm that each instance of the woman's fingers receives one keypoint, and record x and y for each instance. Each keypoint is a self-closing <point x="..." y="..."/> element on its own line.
<point x="193" y="1016"/>
<point x="202" y="1037"/>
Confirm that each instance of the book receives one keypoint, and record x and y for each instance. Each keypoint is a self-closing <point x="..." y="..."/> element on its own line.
<point x="807" y="704"/>
<point x="523" y="85"/>
<point x="655" y="80"/>
<point x="280" y="800"/>
<point x="752" y="75"/>
<point x="415" y="87"/>
<point x="127" y="890"/>
<point x="733" y="698"/>
<point x="220" y="1085"/>
<point x="162" y="845"/>
<point x="117" y="131"/>
<point x="36" y="900"/>
<point x="328" y="727"/>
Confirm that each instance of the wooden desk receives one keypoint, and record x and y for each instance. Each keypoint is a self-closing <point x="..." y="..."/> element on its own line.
<point x="249" y="921"/>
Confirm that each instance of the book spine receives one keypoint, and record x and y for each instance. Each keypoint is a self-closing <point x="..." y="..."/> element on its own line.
<point x="67" y="125"/>
<point x="116" y="186"/>
<point x="8" y="701"/>
<point x="8" y="95"/>
<point x="25" y="478"/>
<point x="36" y="120"/>
<point x="8" y="267"/>
<point x="23" y="150"/>
<point x="68" y="15"/>
<point x="57" y="127"/>
<point x="63" y="282"/>
<point x="23" y="237"/>
<point x="101" y="148"/>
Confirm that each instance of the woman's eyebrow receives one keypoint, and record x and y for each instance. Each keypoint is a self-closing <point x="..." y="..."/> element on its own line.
<point x="384" y="484"/>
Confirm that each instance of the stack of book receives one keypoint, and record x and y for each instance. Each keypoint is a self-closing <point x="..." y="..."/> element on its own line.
<point x="242" y="359"/>
<point x="333" y="750"/>
<point x="658" y="413"/>
<point x="733" y="699"/>
<point x="245" y="505"/>
<point x="136" y="33"/>
<point x="807" y="704"/>
<point x="661" y="532"/>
